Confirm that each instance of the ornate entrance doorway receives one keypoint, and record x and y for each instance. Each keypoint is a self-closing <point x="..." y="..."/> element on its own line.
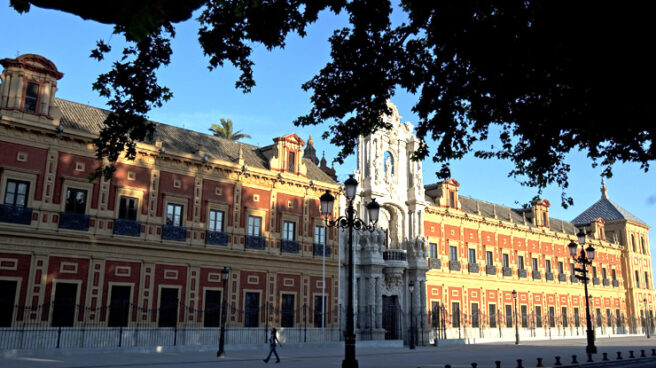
<point x="391" y="317"/>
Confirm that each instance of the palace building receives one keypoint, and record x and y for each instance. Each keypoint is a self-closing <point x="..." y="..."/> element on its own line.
<point x="149" y="248"/>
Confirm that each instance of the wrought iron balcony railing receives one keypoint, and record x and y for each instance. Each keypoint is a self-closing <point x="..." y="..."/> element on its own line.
<point x="254" y="242"/>
<point x="472" y="267"/>
<point x="573" y="279"/>
<point x="74" y="221"/>
<point x="536" y="275"/>
<point x="595" y="280"/>
<point x="395" y="255"/>
<point x="616" y="283"/>
<point x="521" y="273"/>
<point x="319" y="249"/>
<point x="175" y="233"/>
<point x="605" y="282"/>
<point x="434" y="263"/>
<point x="562" y="277"/>
<point x="549" y="276"/>
<point x="127" y="227"/>
<point x="289" y="246"/>
<point x="490" y="269"/>
<point x="15" y="214"/>
<point x="507" y="271"/>
<point x="454" y="265"/>
<point x="216" y="237"/>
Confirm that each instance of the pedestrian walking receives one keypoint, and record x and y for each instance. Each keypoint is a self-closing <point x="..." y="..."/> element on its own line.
<point x="273" y="340"/>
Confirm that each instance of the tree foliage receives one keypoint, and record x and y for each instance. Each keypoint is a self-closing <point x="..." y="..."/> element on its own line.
<point x="225" y="131"/>
<point x="538" y="78"/>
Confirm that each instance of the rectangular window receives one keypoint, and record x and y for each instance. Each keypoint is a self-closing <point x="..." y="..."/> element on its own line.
<point x="452" y="199"/>
<point x="252" y="310"/>
<point x="474" y="315"/>
<point x="637" y="279"/>
<point x="538" y="316"/>
<point x="492" y="308"/>
<point x="534" y="264"/>
<point x="216" y="221"/>
<point x="435" y="314"/>
<point x="320" y="235"/>
<point x="603" y="273"/>
<point x="594" y="271"/>
<point x="561" y="269"/>
<point x="472" y="256"/>
<point x="212" y="317"/>
<point x="127" y="208"/>
<point x="577" y="320"/>
<point x="552" y="317"/>
<point x="453" y="253"/>
<point x="520" y="262"/>
<point x="318" y="302"/>
<point x="7" y="302"/>
<point x="455" y="314"/>
<point x="31" y="97"/>
<point x="609" y="319"/>
<point x="76" y="200"/>
<point x="571" y="270"/>
<point x="489" y="258"/>
<point x="618" y="321"/>
<point x="598" y="312"/>
<point x="174" y="214"/>
<point x="289" y="230"/>
<point x="432" y="250"/>
<point x="646" y="280"/>
<point x="168" y="308"/>
<point x="564" y="314"/>
<point x="613" y="274"/>
<point x="547" y="266"/>
<point x="524" y="311"/>
<point x="119" y="306"/>
<point x="64" y="307"/>
<point x="254" y="225"/>
<point x="16" y="193"/>
<point x="287" y="311"/>
<point x="292" y="162"/>
<point x="509" y="315"/>
<point x="506" y="260"/>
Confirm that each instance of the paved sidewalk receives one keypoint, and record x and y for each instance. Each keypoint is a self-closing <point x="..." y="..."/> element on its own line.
<point x="458" y="356"/>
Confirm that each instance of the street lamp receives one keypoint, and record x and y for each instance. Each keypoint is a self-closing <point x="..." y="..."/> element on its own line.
<point x="514" y="294"/>
<point x="646" y="317"/>
<point x="584" y="258"/>
<point x="411" y="286"/>
<point x="224" y="276"/>
<point x="349" y="222"/>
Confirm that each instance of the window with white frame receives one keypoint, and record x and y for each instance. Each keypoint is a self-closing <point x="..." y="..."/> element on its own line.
<point x="127" y="208"/>
<point x="216" y="220"/>
<point x="289" y="230"/>
<point x="254" y="225"/>
<point x="320" y="235"/>
<point x="432" y="250"/>
<point x="174" y="214"/>
<point x="16" y="192"/>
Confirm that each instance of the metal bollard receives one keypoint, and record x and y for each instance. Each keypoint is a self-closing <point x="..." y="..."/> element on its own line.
<point x="590" y="358"/>
<point x="539" y="363"/>
<point x="498" y="363"/>
<point x="605" y="359"/>
<point x="519" y="363"/>
<point x="474" y="365"/>
<point x="558" y="361"/>
<point x="619" y="355"/>
<point x="642" y="353"/>
<point x="631" y="354"/>
<point x="574" y="361"/>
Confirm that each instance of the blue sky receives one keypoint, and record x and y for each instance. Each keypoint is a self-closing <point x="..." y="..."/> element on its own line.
<point x="202" y="97"/>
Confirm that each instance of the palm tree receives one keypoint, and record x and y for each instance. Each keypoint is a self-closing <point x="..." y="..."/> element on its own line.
<point x="225" y="131"/>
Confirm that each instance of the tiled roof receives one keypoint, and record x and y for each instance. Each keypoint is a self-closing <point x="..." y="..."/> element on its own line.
<point x="90" y="119"/>
<point x="515" y="215"/>
<point x="606" y="209"/>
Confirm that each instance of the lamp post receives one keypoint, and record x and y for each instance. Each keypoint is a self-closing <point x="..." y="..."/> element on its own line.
<point x="646" y="317"/>
<point x="411" y="287"/>
<point x="349" y="222"/>
<point x="584" y="258"/>
<point x="224" y="276"/>
<point x="514" y="294"/>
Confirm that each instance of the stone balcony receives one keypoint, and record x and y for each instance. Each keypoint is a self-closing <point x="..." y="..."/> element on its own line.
<point x="395" y="258"/>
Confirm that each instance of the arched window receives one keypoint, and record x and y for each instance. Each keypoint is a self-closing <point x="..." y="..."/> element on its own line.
<point x="633" y="242"/>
